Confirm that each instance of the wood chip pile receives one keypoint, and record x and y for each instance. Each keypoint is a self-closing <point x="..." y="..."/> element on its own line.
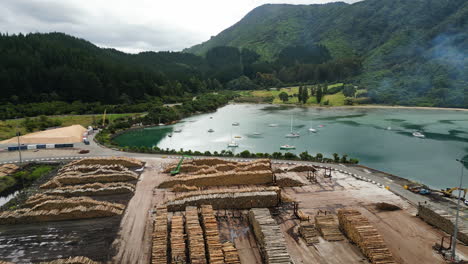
<point x="211" y="233"/>
<point x="160" y="238"/>
<point x="309" y="233"/>
<point x="221" y="178"/>
<point x="245" y="200"/>
<point x="7" y="169"/>
<point x="231" y="255"/>
<point x="124" y="161"/>
<point x="328" y="227"/>
<point x="196" y="243"/>
<point x="177" y="240"/>
<point x="302" y="168"/>
<point x="269" y="236"/>
<point x="72" y="260"/>
<point x="365" y="235"/>
<point x="289" y="179"/>
<point x="93" y="189"/>
<point x="443" y="220"/>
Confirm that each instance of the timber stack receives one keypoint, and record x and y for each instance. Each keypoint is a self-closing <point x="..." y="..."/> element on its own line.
<point x="309" y="233"/>
<point x="328" y="227"/>
<point x="269" y="236"/>
<point x="177" y="240"/>
<point x="160" y="237"/>
<point x="365" y="235"/>
<point x="231" y="256"/>
<point x="196" y="243"/>
<point x="211" y="233"/>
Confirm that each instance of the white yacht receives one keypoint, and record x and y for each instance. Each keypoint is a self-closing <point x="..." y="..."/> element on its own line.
<point x="286" y="147"/>
<point x="273" y="125"/>
<point x="211" y="130"/>
<point x="292" y="134"/>
<point x="418" y="134"/>
<point x="235" y="124"/>
<point x="313" y="130"/>
<point x="233" y="144"/>
<point x="178" y="130"/>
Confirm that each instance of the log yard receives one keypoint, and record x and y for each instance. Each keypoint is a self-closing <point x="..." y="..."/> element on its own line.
<point x="219" y="210"/>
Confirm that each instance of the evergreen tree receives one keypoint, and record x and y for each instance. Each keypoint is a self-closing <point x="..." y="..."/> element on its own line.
<point x="319" y="94"/>
<point x="305" y="95"/>
<point x="299" y="94"/>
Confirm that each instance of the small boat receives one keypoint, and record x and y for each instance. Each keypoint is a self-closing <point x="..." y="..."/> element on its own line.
<point x="237" y="137"/>
<point x="389" y="128"/>
<point x="211" y="117"/>
<point x="418" y="134"/>
<point x="313" y="130"/>
<point x="233" y="145"/>
<point x="211" y="130"/>
<point x="178" y="130"/>
<point x="235" y="124"/>
<point x="273" y="125"/>
<point x="287" y="147"/>
<point x="161" y="124"/>
<point x="257" y="133"/>
<point x="293" y="135"/>
<point x="321" y="125"/>
<point x="170" y="135"/>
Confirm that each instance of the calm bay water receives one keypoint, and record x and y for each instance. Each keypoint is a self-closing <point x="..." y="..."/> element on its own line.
<point x="360" y="133"/>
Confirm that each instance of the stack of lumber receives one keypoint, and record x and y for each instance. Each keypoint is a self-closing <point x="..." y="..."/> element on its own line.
<point x="221" y="178"/>
<point x="289" y="179"/>
<point x="124" y="161"/>
<point x="302" y="216"/>
<point x="302" y="168"/>
<point x="73" y="179"/>
<point x="184" y="188"/>
<point x="328" y="227"/>
<point x="231" y="256"/>
<point x="196" y="243"/>
<point x="244" y="200"/>
<point x="443" y="220"/>
<point x="57" y="202"/>
<point x="160" y="237"/>
<point x="269" y="236"/>
<point x="178" y="240"/>
<point x="309" y="233"/>
<point x="211" y="233"/>
<point x="7" y="169"/>
<point x="93" y="189"/>
<point x="22" y="216"/>
<point x="71" y="260"/>
<point x="366" y="236"/>
<point x="90" y="168"/>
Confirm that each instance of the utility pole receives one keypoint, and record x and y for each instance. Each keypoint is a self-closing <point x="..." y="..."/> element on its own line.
<point x="455" y="230"/>
<point x="19" y="147"/>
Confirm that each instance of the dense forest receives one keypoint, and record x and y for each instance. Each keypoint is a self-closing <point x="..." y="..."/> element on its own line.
<point x="412" y="52"/>
<point x="58" y="74"/>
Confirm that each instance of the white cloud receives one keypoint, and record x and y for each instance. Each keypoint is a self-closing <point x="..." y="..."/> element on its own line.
<point x="131" y="26"/>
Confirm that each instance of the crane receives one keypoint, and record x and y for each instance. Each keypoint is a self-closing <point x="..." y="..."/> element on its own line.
<point x="448" y="191"/>
<point x="179" y="165"/>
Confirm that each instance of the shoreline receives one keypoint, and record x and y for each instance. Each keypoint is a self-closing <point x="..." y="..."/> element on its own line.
<point x="360" y="106"/>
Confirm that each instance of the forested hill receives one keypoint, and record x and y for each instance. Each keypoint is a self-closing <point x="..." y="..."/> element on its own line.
<point x="414" y="52"/>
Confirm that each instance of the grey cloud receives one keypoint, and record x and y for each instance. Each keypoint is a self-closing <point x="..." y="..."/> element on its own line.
<point x="44" y="11"/>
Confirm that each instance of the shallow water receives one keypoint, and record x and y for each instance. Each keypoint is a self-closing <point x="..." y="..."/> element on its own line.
<point x="360" y="133"/>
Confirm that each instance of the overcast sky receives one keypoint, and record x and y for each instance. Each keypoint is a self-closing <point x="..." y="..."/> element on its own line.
<point x="131" y="25"/>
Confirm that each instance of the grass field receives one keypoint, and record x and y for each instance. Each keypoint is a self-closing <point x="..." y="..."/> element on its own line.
<point x="333" y="99"/>
<point x="9" y="127"/>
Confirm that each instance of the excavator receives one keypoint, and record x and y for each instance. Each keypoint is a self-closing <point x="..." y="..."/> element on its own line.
<point x="179" y="165"/>
<point x="448" y="192"/>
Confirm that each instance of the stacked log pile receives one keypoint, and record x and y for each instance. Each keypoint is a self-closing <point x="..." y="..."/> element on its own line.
<point x="93" y="189"/>
<point x="328" y="227"/>
<point x="90" y="168"/>
<point x="227" y="190"/>
<point x="211" y="233"/>
<point x="221" y="178"/>
<point x="56" y="202"/>
<point x="124" y="161"/>
<point x="177" y="240"/>
<point x="289" y="179"/>
<point x="269" y="236"/>
<point x="7" y="169"/>
<point x="209" y="166"/>
<point x="67" y="179"/>
<point x="184" y="188"/>
<point x="302" y="168"/>
<point x="309" y="233"/>
<point x="22" y="216"/>
<point x="244" y="200"/>
<point x="196" y="243"/>
<point x="231" y="256"/>
<point x="72" y="260"/>
<point x="360" y="231"/>
<point x="443" y="220"/>
<point x="160" y="237"/>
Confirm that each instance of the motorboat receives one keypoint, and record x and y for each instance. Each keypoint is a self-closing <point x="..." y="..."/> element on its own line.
<point x="273" y="125"/>
<point x="313" y="130"/>
<point x="389" y="128"/>
<point x="235" y="124"/>
<point x="237" y="137"/>
<point x="257" y="133"/>
<point x="418" y="134"/>
<point x="233" y="144"/>
<point x="178" y="130"/>
<point x="170" y="135"/>
<point x="211" y="130"/>
<point x="286" y="147"/>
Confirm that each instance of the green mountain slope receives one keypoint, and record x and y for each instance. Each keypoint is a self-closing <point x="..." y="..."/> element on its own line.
<point x="414" y="52"/>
